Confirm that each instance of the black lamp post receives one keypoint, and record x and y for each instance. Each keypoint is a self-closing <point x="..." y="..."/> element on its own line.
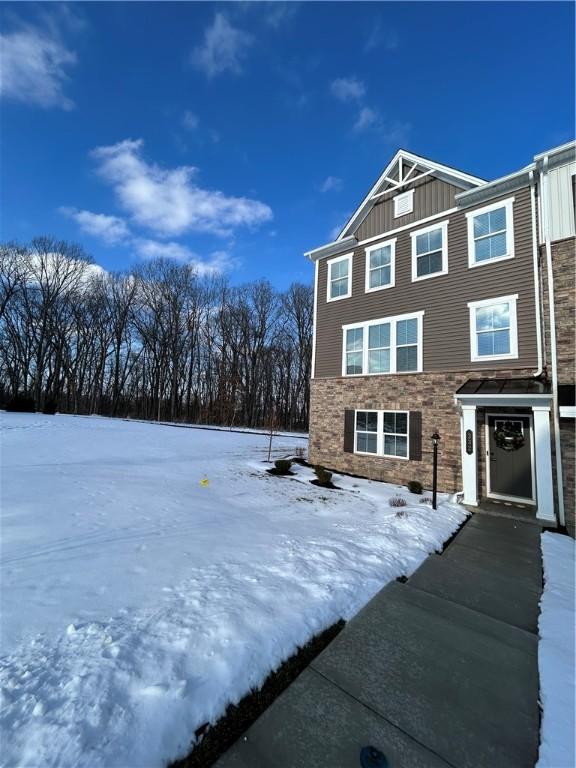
<point x="435" y="440"/>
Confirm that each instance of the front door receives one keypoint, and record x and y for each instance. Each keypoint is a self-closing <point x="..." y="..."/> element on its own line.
<point x="509" y="457"/>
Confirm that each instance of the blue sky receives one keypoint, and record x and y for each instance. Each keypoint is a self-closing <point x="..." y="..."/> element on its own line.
<point x="239" y="135"/>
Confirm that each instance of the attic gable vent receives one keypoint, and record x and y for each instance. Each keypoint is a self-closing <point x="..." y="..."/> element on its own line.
<point x="404" y="203"/>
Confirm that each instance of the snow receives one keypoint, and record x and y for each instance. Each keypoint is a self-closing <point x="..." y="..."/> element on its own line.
<point x="137" y="602"/>
<point x="556" y="652"/>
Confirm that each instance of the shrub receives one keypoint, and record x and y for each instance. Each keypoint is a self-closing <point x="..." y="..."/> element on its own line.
<point x="282" y="466"/>
<point x="397" y="501"/>
<point x="21" y="404"/>
<point x="50" y="406"/>
<point x="401" y="513"/>
<point x="415" y="486"/>
<point x="324" y="477"/>
<point x="426" y="500"/>
<point x="300" y="452"/>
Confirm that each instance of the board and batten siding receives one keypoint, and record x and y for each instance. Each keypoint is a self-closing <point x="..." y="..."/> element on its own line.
<point x="430" y="196"/>
<point x="562" y="204"/>
<point x="444" y="298"/>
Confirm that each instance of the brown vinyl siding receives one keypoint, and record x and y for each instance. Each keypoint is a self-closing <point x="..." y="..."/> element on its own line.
<point x="430" y="196"/>
<point x="444" y="298"/>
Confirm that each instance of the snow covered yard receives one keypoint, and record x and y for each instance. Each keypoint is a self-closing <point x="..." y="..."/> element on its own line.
<point x="137" y="603"/>
<point x="556" y="652"/>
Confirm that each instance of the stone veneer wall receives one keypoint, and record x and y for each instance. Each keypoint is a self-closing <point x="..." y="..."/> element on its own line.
<point x="430" y="393"/>
<point x="563" y="264"/>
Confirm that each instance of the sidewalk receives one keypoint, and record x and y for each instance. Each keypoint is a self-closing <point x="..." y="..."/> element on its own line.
<point x="439" y="671"/>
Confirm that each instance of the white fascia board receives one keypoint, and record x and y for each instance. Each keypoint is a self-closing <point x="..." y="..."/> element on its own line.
<point x="528" y="401"/>
<point x="568" y="149"/>
<point x="500" y="186"/>
<point x="331" y="249"/>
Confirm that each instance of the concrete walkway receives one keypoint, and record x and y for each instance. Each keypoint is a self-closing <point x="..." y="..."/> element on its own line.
<point x="439" y="671"/>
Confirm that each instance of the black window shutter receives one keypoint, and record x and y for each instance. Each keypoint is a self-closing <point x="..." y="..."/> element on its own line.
<point x="415" y="429"/>
<point x="349" y="419"/>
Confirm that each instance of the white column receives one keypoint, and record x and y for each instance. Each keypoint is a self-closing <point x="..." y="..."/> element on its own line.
<point x="543" y="462"/>
<point x="469" y="460"/>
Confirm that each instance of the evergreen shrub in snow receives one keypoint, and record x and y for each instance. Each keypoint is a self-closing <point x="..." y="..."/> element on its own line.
<point x="415" y="486"/>
<point x="324" y="477"/>
<point x="283" y="466"/>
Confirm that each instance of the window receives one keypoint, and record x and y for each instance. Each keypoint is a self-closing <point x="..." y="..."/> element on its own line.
<point x="390" y="345"/>
<point x="493" y="333"/>
<point x="379" y="348"/>
<point x="407" y="345"/>
<point x="430" y="251"/>
<point x="382" y="433"/>
<point x="340" y="277"/>
<point x="380" y="260"/>
<point x="395" y="428"/>
<point x="354" y="351"/>
<point x="367" y="432"/>
<point x="403" y="203"/>
<point x="490" y="233"/>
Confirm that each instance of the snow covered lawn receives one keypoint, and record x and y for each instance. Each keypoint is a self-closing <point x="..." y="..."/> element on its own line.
<point x="556" y="652"/>
<point x="137" y="603"/>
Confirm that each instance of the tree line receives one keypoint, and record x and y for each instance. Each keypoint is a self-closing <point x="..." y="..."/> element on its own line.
<point x="158" y="342"/>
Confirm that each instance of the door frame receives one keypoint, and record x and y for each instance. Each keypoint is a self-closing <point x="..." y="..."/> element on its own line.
<point x="501" y="497"/>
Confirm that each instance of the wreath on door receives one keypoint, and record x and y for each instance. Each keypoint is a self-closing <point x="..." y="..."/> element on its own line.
<point x="507" y="437"/>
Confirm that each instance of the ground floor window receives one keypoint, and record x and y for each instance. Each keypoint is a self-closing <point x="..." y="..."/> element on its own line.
<point x="382" y="433"/>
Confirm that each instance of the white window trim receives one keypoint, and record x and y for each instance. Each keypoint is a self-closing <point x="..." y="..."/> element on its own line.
<point x="401" y="196"/>
<point x="329" y="263"/>
<point x="443" y="225"/>
<point x="473" y="306"/>
<point x="392" y="320"/>
<point x="380" y="434"/>
<point x="375" y="247"/>
<point x="508" y="204"/>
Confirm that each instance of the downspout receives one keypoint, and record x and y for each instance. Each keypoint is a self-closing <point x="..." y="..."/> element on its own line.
<point x="545" y="207"/>
<point x="540" y="368"/>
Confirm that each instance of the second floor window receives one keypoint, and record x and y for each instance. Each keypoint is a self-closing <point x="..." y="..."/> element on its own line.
<point x="340" y="277"/>
<point x="380" y="266"/>
<point x="430" y="251"/>
<point x="390" y="345"/>
<point x="490" y="233"/>
<point x="493" y="329"/>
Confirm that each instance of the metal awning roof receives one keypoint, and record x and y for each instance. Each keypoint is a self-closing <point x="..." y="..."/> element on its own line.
<point x="503" y="387"/>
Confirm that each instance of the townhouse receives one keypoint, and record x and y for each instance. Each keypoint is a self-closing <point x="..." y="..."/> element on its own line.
<point x="446" y="304"/>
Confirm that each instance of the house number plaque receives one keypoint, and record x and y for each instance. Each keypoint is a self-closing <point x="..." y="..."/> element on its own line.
<point x="469" y="442"/>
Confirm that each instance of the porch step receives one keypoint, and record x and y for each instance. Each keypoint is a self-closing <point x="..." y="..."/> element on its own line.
<point x="499" y="593"/>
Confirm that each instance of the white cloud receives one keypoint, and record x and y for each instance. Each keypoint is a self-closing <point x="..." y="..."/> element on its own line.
<point x="168" y="201"/>
<point x="331" y="183"/>
<point x="279" y="13"/>
<point x="190" y="121"/>
<point x="367" y="118"/>
<point x="216" y="264"/>
<point x="223" y="48"/>
<point x="379" y="37"/>
<point x="348" y="89"/>
<point x="34" y="64"/>
<point x="110" y="229"/>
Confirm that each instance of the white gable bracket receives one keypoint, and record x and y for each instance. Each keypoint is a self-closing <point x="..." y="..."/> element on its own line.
<point x="402" y="184"/>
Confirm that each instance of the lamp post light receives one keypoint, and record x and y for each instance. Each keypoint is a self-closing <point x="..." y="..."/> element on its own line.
<point x="435" y="440"/>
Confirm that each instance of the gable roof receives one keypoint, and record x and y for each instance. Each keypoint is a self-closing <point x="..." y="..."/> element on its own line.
<point x="418" y="168"/>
